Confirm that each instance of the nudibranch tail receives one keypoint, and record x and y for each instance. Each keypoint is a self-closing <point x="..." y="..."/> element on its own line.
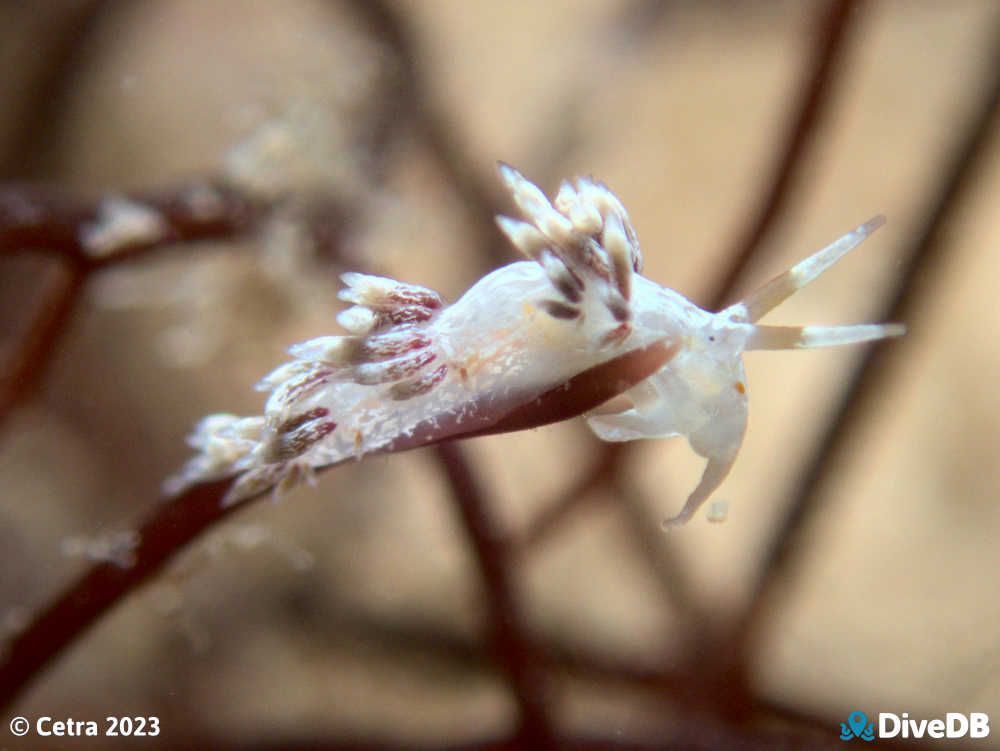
<point x="771" y="295"/>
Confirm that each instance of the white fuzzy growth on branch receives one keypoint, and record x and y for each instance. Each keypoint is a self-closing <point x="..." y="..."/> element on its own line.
<point x="121" y="223"/>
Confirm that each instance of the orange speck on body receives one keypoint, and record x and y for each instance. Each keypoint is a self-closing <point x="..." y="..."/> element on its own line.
<point x="357" y="438"/>
<point x="740" y="387"/>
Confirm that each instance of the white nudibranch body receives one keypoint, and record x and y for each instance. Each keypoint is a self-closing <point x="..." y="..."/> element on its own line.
<point x="413" y="370"/>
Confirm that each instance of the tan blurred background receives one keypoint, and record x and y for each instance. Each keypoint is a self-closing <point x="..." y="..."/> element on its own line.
<point x="308" y="618"/>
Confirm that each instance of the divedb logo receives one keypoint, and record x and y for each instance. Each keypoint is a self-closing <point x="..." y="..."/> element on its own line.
<point x="952" y="725"/>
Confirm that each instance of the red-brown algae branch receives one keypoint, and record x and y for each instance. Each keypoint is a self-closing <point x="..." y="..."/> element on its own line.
<point x="579" y="395"/>
<point x="172" y="526"/>
<point x="64" y="53"/>
<point x="94" y="234"/>
<point x="511" y="646"/>
<point x="87" y="236"/>
<point x="22" y="372"/>
<point x="420" y="110"/>
<point x="812" y="103"/>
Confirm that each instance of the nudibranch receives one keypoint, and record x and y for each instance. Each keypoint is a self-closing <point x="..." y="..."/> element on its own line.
<point x="532" y="342"/>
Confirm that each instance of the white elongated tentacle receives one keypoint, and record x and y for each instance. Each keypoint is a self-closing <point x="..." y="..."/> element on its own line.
<point x="767" y="298"/>
<point x="715" y="472"/>
<point x="804" y="337"/>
